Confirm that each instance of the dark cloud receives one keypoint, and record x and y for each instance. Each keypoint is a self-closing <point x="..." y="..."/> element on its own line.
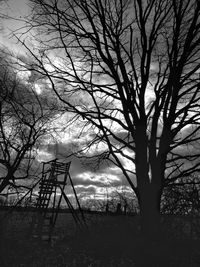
<point x="79" y="164"/>
<point x="85" y="177"/>
<point x="95" y="182"/>
<point x="86" y="190"/>
<point x="82" y="190"/>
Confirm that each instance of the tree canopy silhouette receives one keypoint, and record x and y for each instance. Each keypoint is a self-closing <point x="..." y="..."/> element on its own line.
<point x="130" y="71"/>
<point x="25" y="118"/>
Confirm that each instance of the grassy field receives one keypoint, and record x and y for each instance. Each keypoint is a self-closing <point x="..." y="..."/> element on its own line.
<point x="109" y="240"/>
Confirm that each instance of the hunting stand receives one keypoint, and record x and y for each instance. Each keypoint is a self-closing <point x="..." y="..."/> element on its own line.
<point x="52" y="184"/>
<point x="55" y="176"/>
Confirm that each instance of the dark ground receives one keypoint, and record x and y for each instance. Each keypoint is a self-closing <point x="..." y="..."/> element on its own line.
<point x="109" y="241"/>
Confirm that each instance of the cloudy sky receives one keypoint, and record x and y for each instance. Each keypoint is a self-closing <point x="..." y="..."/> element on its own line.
<point x="90" y="182"/>
<point x="14" y="9"/>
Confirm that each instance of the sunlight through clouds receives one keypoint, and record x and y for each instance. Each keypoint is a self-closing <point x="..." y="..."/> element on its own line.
<point x="38" y="89"/>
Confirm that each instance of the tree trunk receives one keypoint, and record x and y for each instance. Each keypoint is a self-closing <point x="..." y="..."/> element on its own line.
<point x="5" y="182"/>
<point x="3" y="185"/>
<point x="150" y="212"/>
<point x="148" y="176"/>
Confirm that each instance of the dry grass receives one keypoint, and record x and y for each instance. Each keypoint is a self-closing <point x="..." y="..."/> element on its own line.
<point x="109" y="241"/>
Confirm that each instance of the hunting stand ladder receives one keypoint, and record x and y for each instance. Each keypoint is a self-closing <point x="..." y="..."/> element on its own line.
<point x="55" y="176"/>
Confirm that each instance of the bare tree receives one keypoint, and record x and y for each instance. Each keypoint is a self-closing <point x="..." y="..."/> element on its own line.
<point x="130" y="71"/>
<point x="25" y="120"/>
